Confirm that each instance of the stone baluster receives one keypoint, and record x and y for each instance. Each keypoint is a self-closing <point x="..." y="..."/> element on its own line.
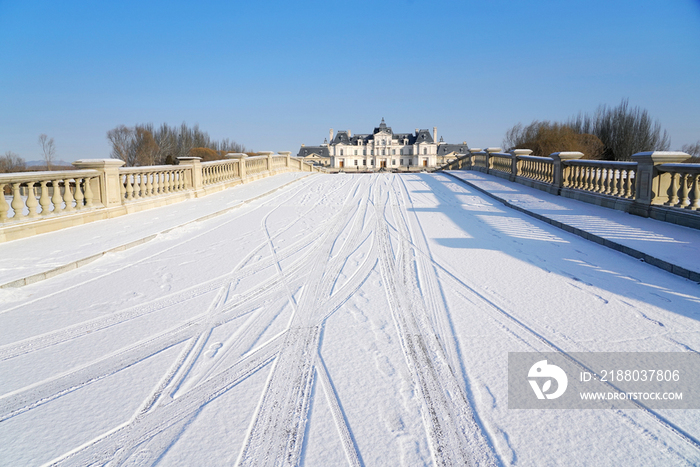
<point x="57" y="199"/>
<point x="79" y="197"/>
<point x="31" y="200"/>
<point x="44" y="200"/>
<point x="17" y="203"/>
<point x="629" y="193"/>
<point x="684" y="192"/>
<point x="68" y="196"/>
<point x="129" y="188"/>
<point x="149" y="184"/>
<point x="89" y="195"/>
<point x="142" y="188"/>
<point x="694" y="200"/>
<point x="4" y="207"/>
<point x="673" y="190"/>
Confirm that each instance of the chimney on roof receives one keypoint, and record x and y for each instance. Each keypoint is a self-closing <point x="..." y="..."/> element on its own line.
<point x="349" y="134"/>
<point x="417" y="130"/>
<point x="435" y="134"/>
<point x="330" y="135"/>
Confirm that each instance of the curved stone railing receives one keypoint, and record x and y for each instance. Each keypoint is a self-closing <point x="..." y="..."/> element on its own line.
<point x="145" y="182"/>
<point x="536" y="168"/>
<point x="279" y="162"/>
<point x="42" y="194"/>
<point x="604" y="177"/>
<point x="220" y="171"/>
<point x="101" y="189"/>
<point x="654" y="185"/>
<point x="256" y="164"/>
<point x="501" y="162"/>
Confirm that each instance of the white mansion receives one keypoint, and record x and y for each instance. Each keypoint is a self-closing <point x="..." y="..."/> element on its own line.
<point x="381" y="149"/>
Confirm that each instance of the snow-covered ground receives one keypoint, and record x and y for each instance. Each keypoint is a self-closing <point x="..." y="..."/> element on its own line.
<point x="343" y="319"/>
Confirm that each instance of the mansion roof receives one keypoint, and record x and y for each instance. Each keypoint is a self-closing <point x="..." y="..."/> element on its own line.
<point x="343" y="137"/>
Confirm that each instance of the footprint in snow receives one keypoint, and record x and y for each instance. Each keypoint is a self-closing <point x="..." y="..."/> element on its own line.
<point x="213" y="349"/>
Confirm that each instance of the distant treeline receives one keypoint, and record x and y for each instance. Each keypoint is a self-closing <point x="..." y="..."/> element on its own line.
<point x="611" y="133"/>
<point x="144" y="144"/>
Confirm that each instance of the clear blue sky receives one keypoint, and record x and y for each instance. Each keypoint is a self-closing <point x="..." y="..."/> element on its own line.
<point x="272" y="75"/>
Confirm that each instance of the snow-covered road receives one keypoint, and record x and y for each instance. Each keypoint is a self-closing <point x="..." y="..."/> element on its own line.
<point x="344" y="319"/>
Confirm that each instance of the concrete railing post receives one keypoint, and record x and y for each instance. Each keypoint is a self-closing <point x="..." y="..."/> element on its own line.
<point x="269" y="158"/>
<point x="652" y="187"/>
<point x="489" y="164"/>
<point x="558" y="157"/>
<point x="515" y="167"/>
<point x="241" y="162"/>
<point x="471" y="152"/>
<point x="108" y="185"/>
<point x="288" y="155"/>
<point x="193" y="177"/>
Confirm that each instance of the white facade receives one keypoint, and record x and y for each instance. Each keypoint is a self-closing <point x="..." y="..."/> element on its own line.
<point x="383" y="148"/>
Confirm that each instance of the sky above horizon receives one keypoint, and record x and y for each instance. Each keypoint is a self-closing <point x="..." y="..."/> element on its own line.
<point x="273" y="75"/>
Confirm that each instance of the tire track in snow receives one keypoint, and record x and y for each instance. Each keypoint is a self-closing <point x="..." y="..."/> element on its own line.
<point x="43" y="341"/>
<point x="278" y="427"/>
<point x="453" y="434"/>
<point x="501" y="313"/>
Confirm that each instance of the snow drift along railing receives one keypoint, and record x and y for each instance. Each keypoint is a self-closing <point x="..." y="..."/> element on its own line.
<point x="37" y="202"/>
<point x="654" y="185"/>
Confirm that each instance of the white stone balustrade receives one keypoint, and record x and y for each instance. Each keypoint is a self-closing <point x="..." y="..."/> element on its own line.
<point x="501" y="162"/>
<point x="540" y="169"/>
<point x="656" y="184"/>
<point x="604" y="177"/>
<point x="684" y="187"/>
<point x="256" y="165"/>
<point x="41" y="194"/>
<point x="102" y="188"/>
<point x="145" y="182"/>
<point x="219" y="171"/>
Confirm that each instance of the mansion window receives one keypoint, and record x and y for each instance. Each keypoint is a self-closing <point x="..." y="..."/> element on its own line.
<point x="383" y="152"/>
<point x="355" y="153"/>
<point x="371" y="153"/>
<point x="393" y="162"/>
<point x="364" y="152"/>
<point x="341" y="152"/>
<point x="355" y="161"/>
<point x="364" y="162"/>
<point x="393" y="152"/>
<point x="425" y="151"/>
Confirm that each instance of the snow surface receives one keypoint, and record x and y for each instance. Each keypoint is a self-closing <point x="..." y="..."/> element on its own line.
<point x="356" y="319"/>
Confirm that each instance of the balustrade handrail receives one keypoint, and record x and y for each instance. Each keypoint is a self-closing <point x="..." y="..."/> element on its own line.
<point x="151" y="168"/>
<point x="22" y="177"/>
<point x="535" y="158"/>
<point x="676" y="167"/>
<point x="221" y="162"/>
<point x="599" y="163"/>
<point x="99" y="184"/>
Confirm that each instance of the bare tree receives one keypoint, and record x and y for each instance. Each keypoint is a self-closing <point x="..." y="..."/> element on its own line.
<point x="121" y="138"/>
<point x="144" y="144"/>
<point x="623" y="130"/>
<point x="11" y="162"/>
<point x="693" y="150"/>
<point x="544" y="138"/>
<point x="48" y="150"/>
